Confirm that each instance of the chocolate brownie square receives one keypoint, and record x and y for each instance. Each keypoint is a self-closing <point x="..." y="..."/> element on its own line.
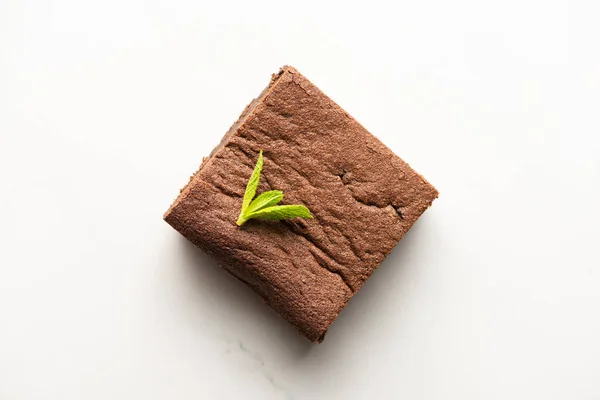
<point x="363" y="198"/>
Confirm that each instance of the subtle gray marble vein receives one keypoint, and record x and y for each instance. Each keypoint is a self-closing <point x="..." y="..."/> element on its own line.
<point x="238" y="349"/>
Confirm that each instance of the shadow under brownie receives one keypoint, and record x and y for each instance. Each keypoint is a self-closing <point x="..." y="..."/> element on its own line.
<point x="363" y="198"/>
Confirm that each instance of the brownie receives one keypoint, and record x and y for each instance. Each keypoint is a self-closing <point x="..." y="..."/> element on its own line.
<point x="363" y="198"/>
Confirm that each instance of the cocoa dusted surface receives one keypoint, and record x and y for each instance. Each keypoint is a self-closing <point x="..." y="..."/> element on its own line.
<point x="364" y="199"/>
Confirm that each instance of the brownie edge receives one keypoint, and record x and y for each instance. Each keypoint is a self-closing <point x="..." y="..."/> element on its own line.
<point x="364" y="199"/>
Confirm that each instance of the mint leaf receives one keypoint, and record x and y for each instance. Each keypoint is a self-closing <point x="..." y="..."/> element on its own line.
<point x="264" y="206"/>
<point x="252" y="183"/>
<point x="282" y="212"/>
<point x="266" y="199"/>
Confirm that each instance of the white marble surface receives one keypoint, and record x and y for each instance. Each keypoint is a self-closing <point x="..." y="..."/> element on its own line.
<point x="107" y="107"/>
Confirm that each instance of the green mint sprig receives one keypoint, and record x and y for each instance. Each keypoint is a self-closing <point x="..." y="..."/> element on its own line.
<point x="265" y="205"/>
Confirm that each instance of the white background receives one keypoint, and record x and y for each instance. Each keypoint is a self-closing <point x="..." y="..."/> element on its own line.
<point x="106" y="108"/>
